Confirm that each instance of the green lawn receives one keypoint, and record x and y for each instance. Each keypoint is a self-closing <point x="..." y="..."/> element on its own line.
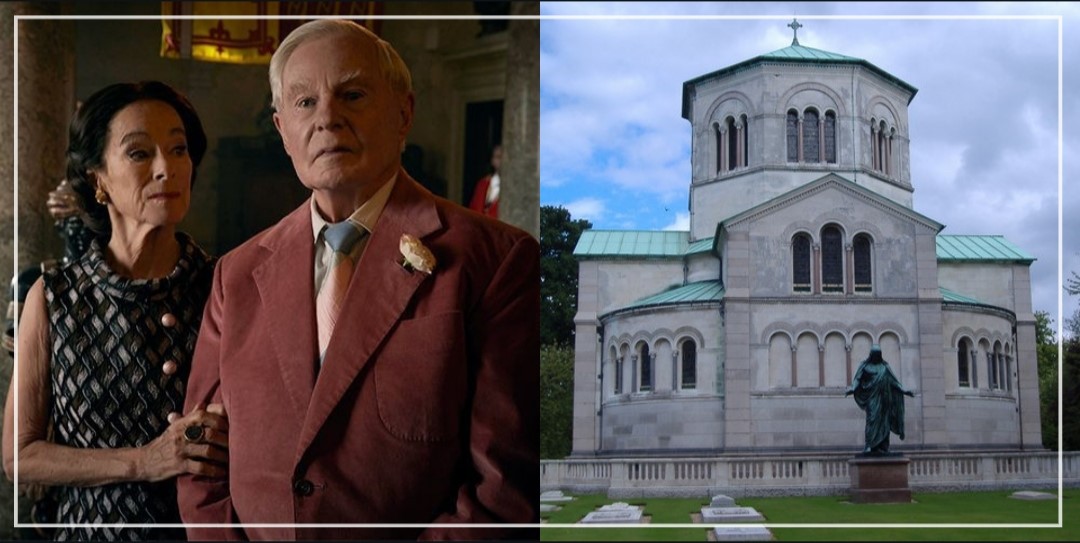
<point x="930" y="508"/>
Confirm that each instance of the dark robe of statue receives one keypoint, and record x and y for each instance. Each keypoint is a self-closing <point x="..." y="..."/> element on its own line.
<point x="879" y="393"/>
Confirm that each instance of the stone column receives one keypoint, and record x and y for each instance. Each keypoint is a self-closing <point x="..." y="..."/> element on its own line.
<point x="739" y="146"/>
<point x="586" y="358"/>
<point x="520" y="199"/>
<point x="816" y="255"/>
<point x="849" y="268"/>
<point x="724" y="158"/>
<point x="46" y="99"/>
<point x="45" y="91"/>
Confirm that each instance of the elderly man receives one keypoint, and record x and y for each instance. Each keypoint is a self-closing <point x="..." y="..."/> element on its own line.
<point x="376" y="351"/>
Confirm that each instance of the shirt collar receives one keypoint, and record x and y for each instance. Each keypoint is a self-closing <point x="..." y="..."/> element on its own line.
<point x="367" y="215"/>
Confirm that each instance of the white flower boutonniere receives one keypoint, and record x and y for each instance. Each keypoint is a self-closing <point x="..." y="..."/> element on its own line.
<point x="417" y="257"/>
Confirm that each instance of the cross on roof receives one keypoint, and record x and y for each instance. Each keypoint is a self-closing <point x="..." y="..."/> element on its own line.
<point x="795" y="26"/>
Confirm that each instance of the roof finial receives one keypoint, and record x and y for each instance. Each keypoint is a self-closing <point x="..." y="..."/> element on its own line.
<point x="795" y="26"/>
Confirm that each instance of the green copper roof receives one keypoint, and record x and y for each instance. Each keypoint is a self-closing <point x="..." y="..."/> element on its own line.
<point x="640" y="243"/>
<point x="801" y="52"/>
<point x="700" y="246"/>
<point x="980" y="249"/>
<point x="792" y="53"/>
<point x="702" y="291"/>
<point x="644" y="243"/>
<point x="955" y="297"/>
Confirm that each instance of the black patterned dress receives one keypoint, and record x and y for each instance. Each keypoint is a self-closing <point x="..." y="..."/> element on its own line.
<point x="111" y="338"/>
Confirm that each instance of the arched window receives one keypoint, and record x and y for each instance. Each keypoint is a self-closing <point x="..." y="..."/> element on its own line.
<point x="830" y="137"/>
<point x="744" y="140"/>
<point x="963" y="363"/>
<point x="810" y="136"/>
<point x="645" y="361"/>
<point x="881" y="145"/>
<point x="792" y="136"/>
<point x="863" y="273"/>
<point x="832" y="259"/>
<point x="719" y="148"/>
<point x="1008" y="367"/>
<point x="732" y="144"/>
<point x="800" y="263"/>
<point x="688" y="351"/>
<point x="618" y="371"/>
<point x="999" y="366"/>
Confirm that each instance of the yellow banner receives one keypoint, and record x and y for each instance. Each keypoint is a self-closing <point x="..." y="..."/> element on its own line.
<point x="245" y="41"/>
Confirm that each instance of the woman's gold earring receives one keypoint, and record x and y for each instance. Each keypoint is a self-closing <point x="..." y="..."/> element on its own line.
<point x="101" y="197"/>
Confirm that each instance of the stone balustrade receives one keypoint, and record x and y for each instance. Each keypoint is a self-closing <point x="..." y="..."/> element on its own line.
<point x="788" y="475"/>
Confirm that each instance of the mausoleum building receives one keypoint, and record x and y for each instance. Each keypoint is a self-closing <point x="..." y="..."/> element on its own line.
<point x="804" y="249"/>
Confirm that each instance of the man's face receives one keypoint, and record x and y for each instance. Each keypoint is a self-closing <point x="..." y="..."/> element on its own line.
<point x="341" y="123"/>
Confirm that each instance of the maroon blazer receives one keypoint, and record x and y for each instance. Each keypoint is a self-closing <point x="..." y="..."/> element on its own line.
<point x="426" y="408"/>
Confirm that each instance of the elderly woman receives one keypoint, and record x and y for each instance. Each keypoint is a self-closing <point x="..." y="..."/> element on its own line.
<point x="104" y="341"/>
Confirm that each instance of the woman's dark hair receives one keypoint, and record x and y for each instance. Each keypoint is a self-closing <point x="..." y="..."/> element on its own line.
<point x="90" y="126"/>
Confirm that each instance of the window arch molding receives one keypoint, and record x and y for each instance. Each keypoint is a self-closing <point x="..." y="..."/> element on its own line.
<point x="791" y="100"/>
<point x="736" y="105"/>
<point x="688" y="362"/>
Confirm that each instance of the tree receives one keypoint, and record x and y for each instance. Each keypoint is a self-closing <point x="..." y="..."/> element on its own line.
<point x="1072" y="284"/>
<point x="558" y="274"/>
<point x="556" y="400"/>
<point x="1070" y="396"/>
<point x="1047" y="353"/>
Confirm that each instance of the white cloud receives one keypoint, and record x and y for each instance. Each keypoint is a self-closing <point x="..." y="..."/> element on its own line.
<point x="586" y="208"/>
<point x="682" y="222"/>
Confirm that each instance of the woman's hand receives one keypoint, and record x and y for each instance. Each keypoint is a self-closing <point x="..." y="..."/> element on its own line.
<point x="172" y="453"/>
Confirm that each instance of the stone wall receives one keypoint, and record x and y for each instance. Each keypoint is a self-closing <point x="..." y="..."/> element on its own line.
<point x="799" y="475"/>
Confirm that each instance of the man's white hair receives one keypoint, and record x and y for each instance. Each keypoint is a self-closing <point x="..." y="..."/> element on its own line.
<point x="391" y="67"/>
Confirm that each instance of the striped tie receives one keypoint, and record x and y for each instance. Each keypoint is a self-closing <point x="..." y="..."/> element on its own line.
<point x="341" y="237"/>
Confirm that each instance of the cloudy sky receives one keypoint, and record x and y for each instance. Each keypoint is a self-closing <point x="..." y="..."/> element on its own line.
<point x="984" y="123"/>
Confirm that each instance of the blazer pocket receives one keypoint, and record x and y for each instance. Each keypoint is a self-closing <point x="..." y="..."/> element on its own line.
<point x="421" y="379"/>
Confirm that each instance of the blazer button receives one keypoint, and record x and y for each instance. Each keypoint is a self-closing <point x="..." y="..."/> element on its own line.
<point x="168" y="320"/>
<point x="303" y="487"/>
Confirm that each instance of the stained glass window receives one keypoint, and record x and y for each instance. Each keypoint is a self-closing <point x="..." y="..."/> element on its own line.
<point x="830" y="137"/>
<point x="832" y="260"/>
<point x="646" y="368"/>
<point x="792" y="136"/>
<point x="810" y="136"/>
<point x="800" y="262"/>
<point x="863" y="275"/>
<point x="689" y="364"/>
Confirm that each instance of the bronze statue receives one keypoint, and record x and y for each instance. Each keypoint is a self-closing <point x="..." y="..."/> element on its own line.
<point x="878" y="392"/>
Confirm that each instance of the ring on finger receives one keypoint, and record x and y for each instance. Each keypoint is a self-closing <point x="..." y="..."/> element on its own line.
<point x="194" y="433"/>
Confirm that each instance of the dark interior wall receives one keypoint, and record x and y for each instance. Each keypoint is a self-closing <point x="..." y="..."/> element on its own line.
<point x="231" y="98"/>
<point x="228" y="97"/>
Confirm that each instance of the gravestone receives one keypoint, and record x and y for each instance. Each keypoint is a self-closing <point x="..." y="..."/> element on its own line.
<point x="549" y="508"/>
<point x="742" y="533"/>
<point x="616" y="513"/>
<point x="554" y="496"/>
<point x="721" y="515"/>
<point x="721" y="500"/>
<point x="1032" y="495"/>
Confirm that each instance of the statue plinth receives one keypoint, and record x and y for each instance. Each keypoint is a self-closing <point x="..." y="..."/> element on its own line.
<point x="879" y="479"/>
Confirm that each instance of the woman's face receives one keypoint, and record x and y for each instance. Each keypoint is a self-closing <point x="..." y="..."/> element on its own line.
<point x="147" y="169"/>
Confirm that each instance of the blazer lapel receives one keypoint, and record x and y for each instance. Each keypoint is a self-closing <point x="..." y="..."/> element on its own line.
<point x="286" y="286"/>
<point x="378" y="294"/>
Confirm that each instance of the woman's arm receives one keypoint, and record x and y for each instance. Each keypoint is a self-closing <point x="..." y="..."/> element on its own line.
<point x="44" y="462"/>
